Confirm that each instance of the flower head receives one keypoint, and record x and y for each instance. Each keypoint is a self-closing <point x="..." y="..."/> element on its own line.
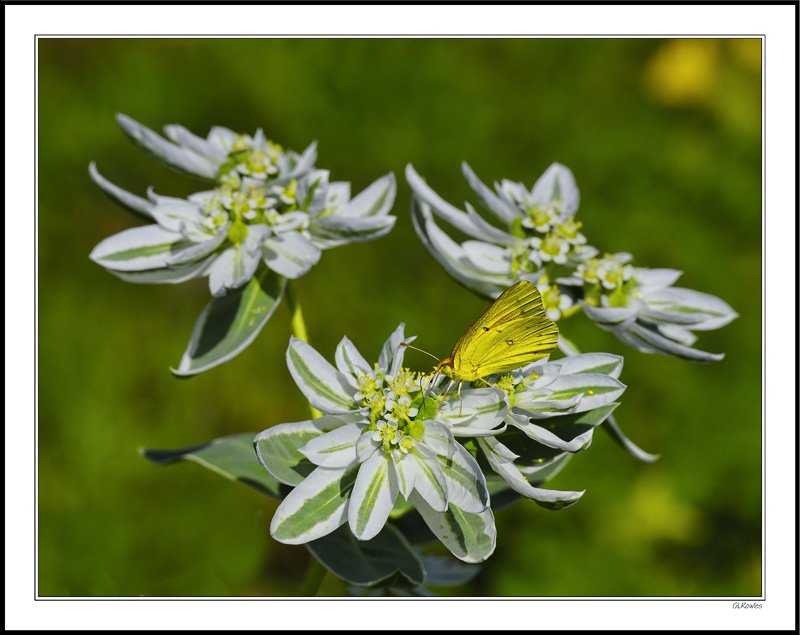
<point x="389" y="432"/>
<point x="541" y="241"/>
<point x="268" y="217"/>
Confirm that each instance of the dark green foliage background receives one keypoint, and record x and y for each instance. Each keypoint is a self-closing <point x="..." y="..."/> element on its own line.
<point x="669" y="167"/>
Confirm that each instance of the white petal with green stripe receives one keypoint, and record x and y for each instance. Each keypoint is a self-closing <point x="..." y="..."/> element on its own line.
<point x="429" y="479"/>
<point x="290" y="254"/>
<point x="129" y="201"/>
<point x="316" y="507"/>
<point x="476" y="412"/>
<point x="451" y="256"/>
<point x="366" y="446"/>
<point x="373" y="497"/>
<point x="702" y="310"/>
<point x="439" y="438"/>
<point x="469" y="536"/>
<point x="406" y="472"/>
<point x="172" y="274"/>
<point x="333" y="231"/>
<point x="597" y="363"/>
<point x="466" y="485"/>
<point x="236" y="265"/>
<point x="166" y="152"/>
<point x="500" y="208"/>
<point x="324" y="386"/>
<point x="376" y="200"/>
<point x="350" y="362"/>
<point x="547" y="498"/>
<point x="592" y="390"/>
<point x="171" y="212"/>
<point x="391" y="356"/>
<point x="138" y="248"/>
<point x="196" y="250"/>
<point x="336" y="448"/>
<point x="570" y="433"/>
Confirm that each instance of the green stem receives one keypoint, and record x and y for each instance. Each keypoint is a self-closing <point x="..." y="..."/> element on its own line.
<point x="313" y="580"/>
<point x="298" y="326"/>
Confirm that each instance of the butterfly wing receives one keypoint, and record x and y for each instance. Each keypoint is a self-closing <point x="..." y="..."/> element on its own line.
<point x="514" y="331"/>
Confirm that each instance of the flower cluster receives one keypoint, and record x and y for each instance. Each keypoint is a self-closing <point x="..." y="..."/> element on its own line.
<point x="542" y="242"/>
<point x="269" y="206"/>
<point x="389" y="432"/>
<point x="266" y="220"/>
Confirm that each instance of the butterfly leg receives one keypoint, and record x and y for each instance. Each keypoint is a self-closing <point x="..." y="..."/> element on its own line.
<point x="461" y="404"/>
<point x="429" y="383"/>
<point x="452" y="381"/>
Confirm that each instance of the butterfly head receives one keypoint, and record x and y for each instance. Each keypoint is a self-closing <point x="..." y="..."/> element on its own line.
<point x="445" y="367"/>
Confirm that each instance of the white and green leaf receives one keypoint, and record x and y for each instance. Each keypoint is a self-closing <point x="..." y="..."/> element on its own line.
<point x="278" y="447"/>
<point x="316" y="507"/>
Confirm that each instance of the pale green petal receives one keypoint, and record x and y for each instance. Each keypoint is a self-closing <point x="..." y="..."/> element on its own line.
<point x="373" y="497"/>
<point x="334" y="449"/>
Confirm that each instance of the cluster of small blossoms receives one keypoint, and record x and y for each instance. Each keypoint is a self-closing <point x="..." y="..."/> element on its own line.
<point x="388" y="432"/>
<point x="269" y="206"/>
<point x="388" y="402"/>
<point x="607" y="281"/>
<point x="541" y="242"/>
<point x="547" y="233"/>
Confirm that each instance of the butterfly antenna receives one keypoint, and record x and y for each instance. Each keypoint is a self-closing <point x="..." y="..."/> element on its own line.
<point x="420" y="350"/>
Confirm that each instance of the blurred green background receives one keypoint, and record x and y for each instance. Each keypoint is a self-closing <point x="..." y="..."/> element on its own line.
<point x="664" y="139"/>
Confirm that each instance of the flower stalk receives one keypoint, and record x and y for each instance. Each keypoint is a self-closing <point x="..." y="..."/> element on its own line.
<point x="298" y="327"/>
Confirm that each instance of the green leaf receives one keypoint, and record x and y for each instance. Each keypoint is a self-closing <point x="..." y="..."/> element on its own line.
<point x="427" y="408"/>
<point x="229" y="323"/>
<point x="367" y="563"/>
<point x="445" y="571"/>
<point x="232" y="457"/>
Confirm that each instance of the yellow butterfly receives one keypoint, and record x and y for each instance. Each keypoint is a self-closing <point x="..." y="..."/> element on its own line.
<point x="514" y="331"/>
